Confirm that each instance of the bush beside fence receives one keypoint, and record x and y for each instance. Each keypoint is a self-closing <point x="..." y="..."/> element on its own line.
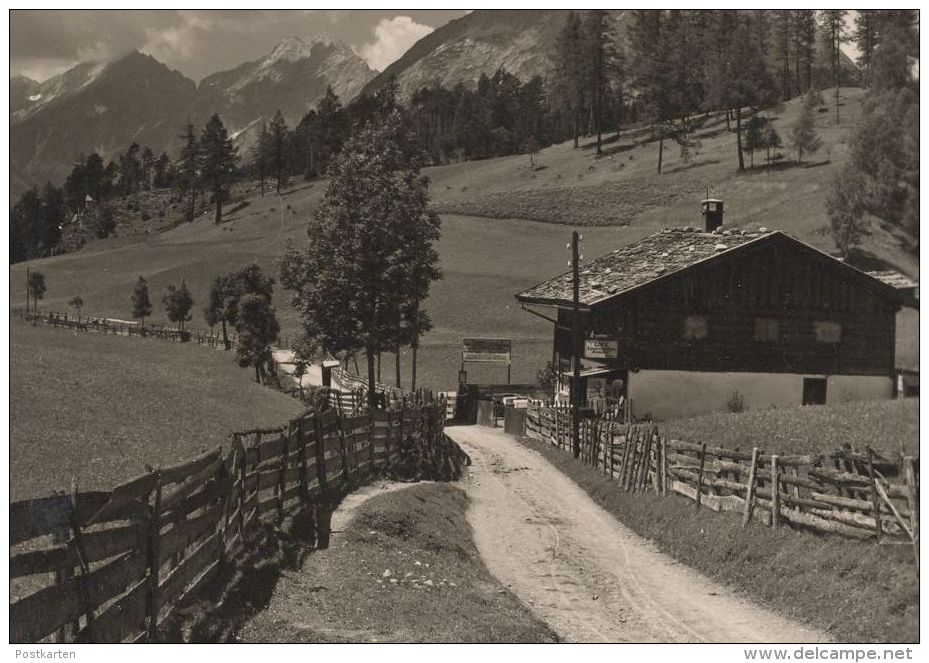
<point x="125" y="560"/>
<point x="866" y="494"/>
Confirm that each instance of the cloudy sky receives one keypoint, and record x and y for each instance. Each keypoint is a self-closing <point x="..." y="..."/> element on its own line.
<point x="198" y="43"/>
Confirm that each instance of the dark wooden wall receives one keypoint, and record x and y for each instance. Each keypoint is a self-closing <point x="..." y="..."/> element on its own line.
<point x="779" y="280"/>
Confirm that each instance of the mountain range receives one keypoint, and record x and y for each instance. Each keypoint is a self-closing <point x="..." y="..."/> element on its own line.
<point x="104" y="107"/>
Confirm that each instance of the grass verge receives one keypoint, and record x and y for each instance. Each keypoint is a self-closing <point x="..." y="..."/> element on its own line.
<point x="857" y="592"/>
<point x="405" y="570"/>
<point x="887" y="425"/>
<point x="100" y="408"/>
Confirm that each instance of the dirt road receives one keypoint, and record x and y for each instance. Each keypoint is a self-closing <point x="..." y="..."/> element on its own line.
<point x="584" y="573"/>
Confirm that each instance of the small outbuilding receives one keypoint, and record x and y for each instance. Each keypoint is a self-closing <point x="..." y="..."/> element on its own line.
<point x="689" y="321"/>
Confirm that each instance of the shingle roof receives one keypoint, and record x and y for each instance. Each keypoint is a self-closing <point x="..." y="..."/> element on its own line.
<point x="894" y="279"/>
<point x="663" y="253"/>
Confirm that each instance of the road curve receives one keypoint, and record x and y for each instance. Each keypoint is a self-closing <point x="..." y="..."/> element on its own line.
<point x="583" y="572"/>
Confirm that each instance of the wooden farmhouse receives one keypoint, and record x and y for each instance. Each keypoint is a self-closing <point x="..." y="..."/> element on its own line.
<point x="688" y="321"/>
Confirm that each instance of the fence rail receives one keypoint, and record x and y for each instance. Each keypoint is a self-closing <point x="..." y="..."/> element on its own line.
<point x="866" y="494"/>
<point x="124" y="561"/>
<point x="110" y="326"/>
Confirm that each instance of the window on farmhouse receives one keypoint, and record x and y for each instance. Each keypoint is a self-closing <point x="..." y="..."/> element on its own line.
<point x="767" y="330"/>
<point x="695" y="327"/>
<point x="827" y="332"/>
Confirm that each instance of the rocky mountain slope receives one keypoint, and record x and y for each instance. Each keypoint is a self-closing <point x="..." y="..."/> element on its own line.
<point x="461" y="50"/>
<point x="292" y="78"/>
<point x="104" y="107"/>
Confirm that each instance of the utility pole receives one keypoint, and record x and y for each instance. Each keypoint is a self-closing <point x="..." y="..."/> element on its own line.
<point x="27" y="291"/>
<point x="576" y="330"/>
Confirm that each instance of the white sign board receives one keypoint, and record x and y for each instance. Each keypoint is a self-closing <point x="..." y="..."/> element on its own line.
<point x="601" y="348"/>
<point x="486" y="350"/>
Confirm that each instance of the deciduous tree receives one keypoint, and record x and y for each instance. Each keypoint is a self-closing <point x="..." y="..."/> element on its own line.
<point x="373" y="227"/>
<point x="141" y="304"/>
<point x="177" y="303"/>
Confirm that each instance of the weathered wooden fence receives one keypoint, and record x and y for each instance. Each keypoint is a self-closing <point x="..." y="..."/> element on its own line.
<point x="116" y="564"/>
<point x="109" y="326"/>
<point x="866" y="494"/>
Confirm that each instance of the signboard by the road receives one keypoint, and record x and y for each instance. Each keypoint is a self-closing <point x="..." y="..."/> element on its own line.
<point x="601" y="348"/>
<point x="486" y="350"/>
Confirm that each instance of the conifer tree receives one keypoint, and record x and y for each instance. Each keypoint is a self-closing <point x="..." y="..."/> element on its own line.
<point x="218" y="159"/>
<point x="260" y="157"/>
<point x="599" y="64"/>
<point x="570" y="92"/>
<point x="803" y="137"/>
<point x="276" y="144"/>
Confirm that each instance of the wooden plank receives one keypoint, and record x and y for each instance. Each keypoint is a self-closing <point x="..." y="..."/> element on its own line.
<point x="39" y="614"/>
<point x="121" y="619"/>
<point x="211" y="492"/>
<point x="840" y="478"/>
<point x="812" y="521"/>
<point x="912" y="499"/>
<point x="134" y="490"/>
<point x="187" y="533"/>
<point x="192" y="483"/>
<point x="775" y="492"/>
<point x="750" y="490"/>
<point x="190" y="568"/>
<point x="700" y="474"/>
<point x="185" y="470"/>
<point x="272" y="448"/>
<point x="96" y="546"/>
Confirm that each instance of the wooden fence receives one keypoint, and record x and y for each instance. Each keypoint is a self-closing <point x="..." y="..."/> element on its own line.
<point x="123" y="561"/>
<point x="107" y="326"/>
<point x="859" y="494"/>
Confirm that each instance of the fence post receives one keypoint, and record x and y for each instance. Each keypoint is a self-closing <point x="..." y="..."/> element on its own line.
<point x="775" y="492"/>
<point x="624" y="460"/>
<point x="663" y="468"/>
<point x="750" y="493"/>
<point x="65" y="631"/>
<point x="282" y="479"/>
<point x="912" y="499"/>
<point x="700" y="474"/>
<point x="324" y="517"/>
<point x="154" y="565"/>
<point x="304" y="481"/>
<point x="875" y="498"/>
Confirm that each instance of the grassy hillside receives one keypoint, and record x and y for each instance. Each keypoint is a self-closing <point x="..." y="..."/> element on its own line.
<point x="505" y="226"/>
<point x="887" y="425"/>
<point x="100" y="408"/>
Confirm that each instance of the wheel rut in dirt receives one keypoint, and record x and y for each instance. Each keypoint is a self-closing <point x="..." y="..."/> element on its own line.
<point x="586" y="574"/>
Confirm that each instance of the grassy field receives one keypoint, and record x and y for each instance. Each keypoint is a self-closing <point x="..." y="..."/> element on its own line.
<point x="858" y="592"/>
<point x="887" y="425"/>
<point x="405" y="570"/>
<point x="505" y="226"/>
<point x="100" y="408"/>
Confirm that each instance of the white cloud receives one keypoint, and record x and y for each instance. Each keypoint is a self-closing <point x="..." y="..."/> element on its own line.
<point x="392" y="37"/>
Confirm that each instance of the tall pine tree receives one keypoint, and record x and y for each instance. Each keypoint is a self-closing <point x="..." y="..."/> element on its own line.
<point x="218" y="159"/>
